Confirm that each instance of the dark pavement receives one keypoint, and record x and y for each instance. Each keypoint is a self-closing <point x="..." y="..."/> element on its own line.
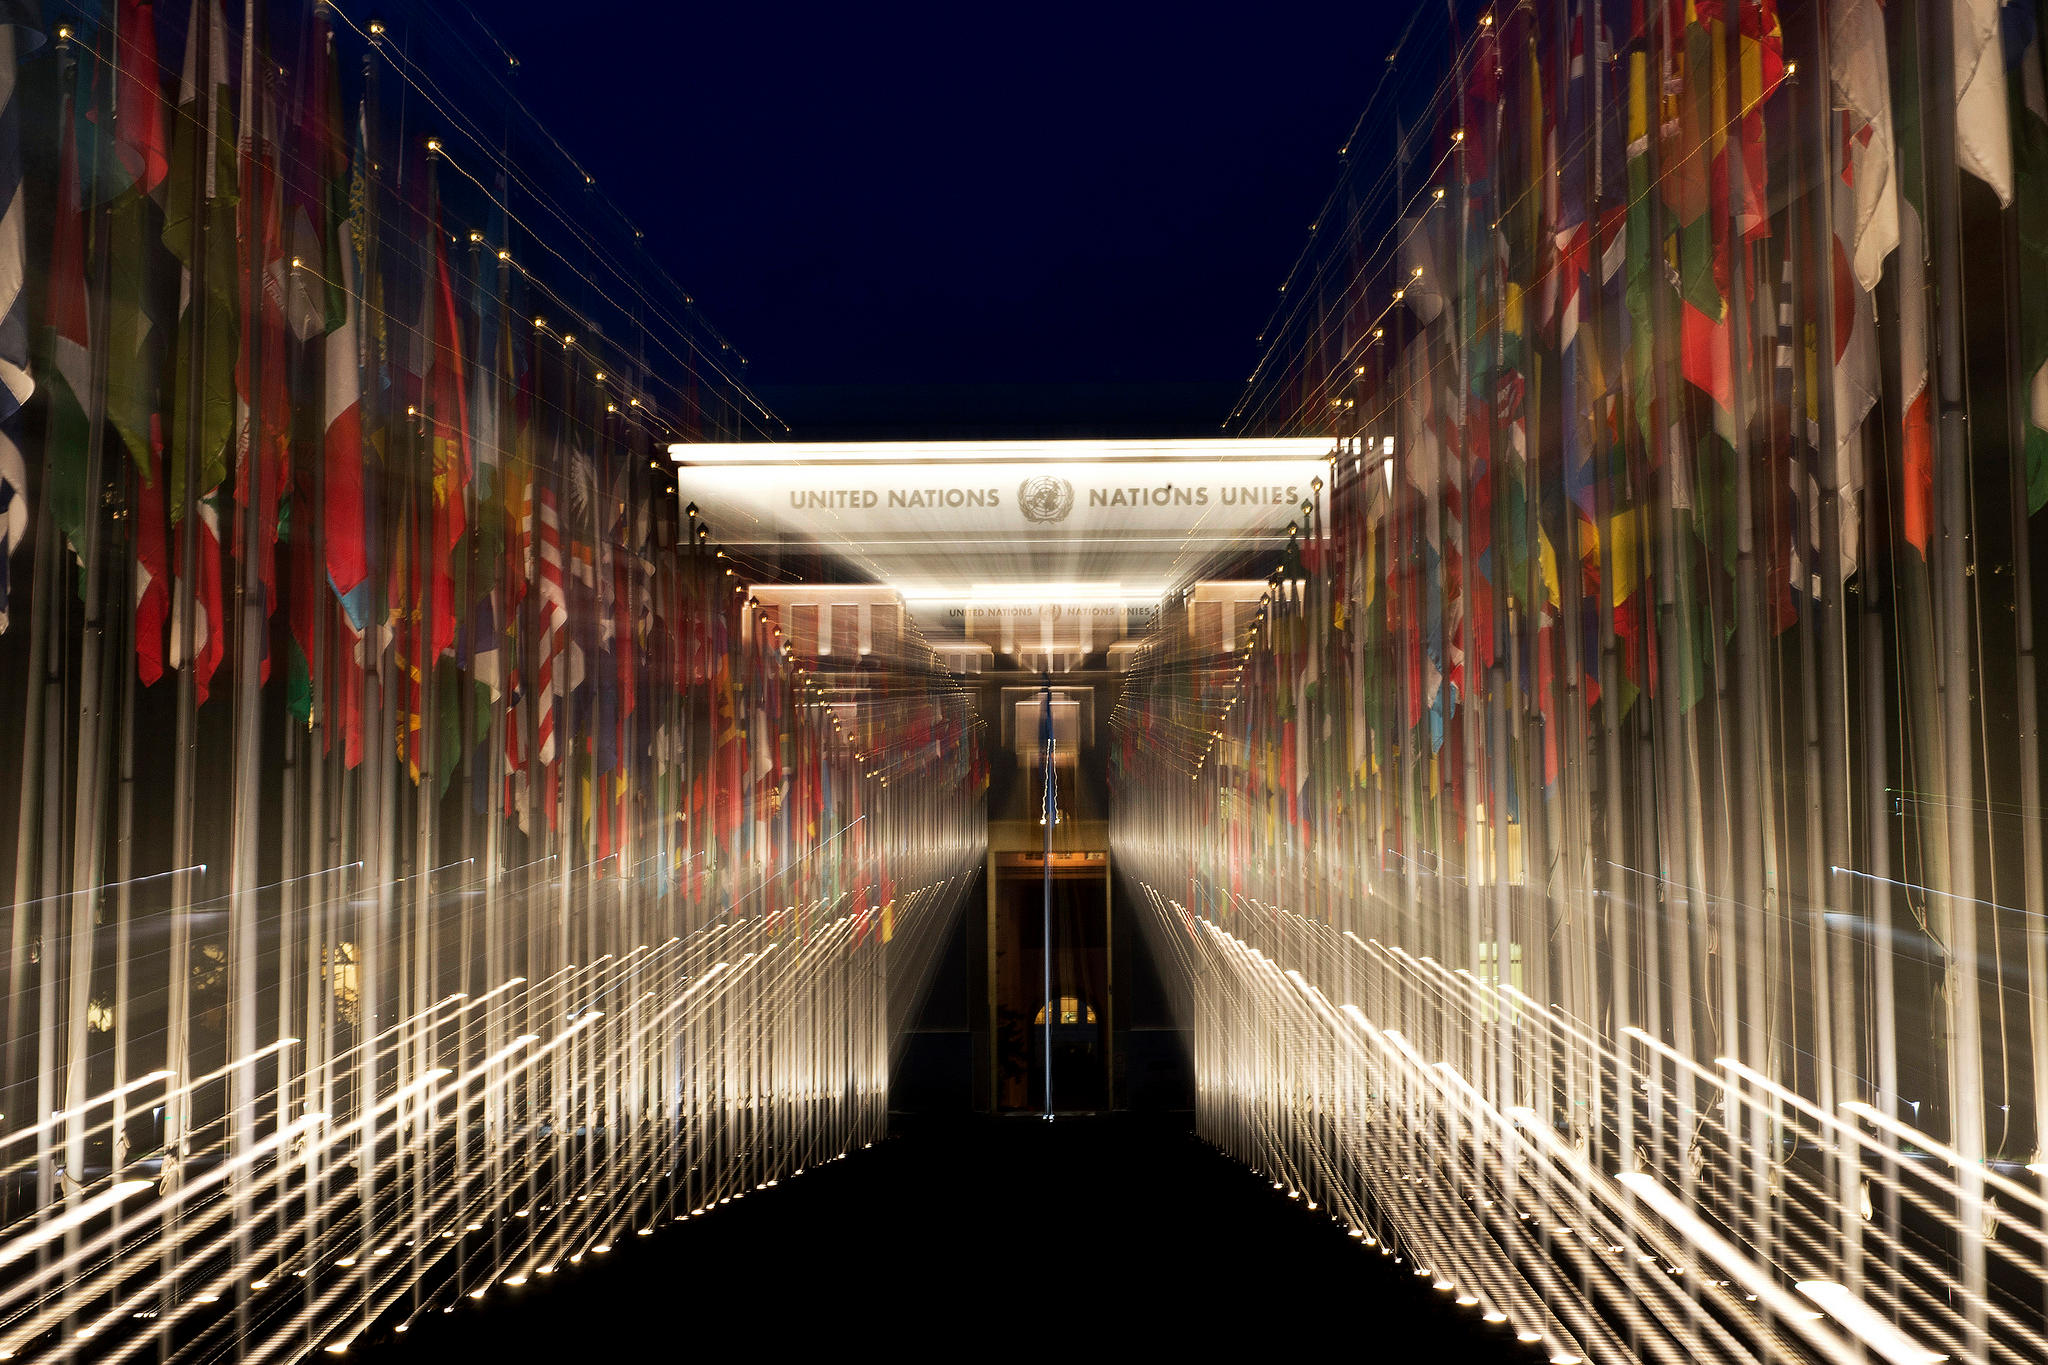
<point x="968" y="1237"/>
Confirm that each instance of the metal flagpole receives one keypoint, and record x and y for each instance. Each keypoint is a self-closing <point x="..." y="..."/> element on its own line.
<point x="1048" y="810"/>
<point x="88" y="832"/>
<point x="252" y="625"/>
<point x="1962" y="987"/>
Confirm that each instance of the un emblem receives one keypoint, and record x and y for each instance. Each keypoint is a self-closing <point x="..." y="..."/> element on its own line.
<point x="1045" y="498"/>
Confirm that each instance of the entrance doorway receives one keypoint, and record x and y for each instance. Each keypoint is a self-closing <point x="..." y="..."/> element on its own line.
<point x="1082" y="1003"/>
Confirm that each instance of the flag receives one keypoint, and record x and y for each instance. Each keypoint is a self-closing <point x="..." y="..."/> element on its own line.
<point x="202" y="169"/>
<point x="202" y="172"/>
<point x="136" y="314"/>
<point x="1762" y="70"/>
<point x="70" y="347"/>
<point x="1855" y="372"/>
<point x="342" y="444"/>
<point x="1916" y="444"/>
<point x="1983" y="139"/>
<point x="1424" y="283"/>
<point x="554" y="607"/>
<point x="208" y="642"/>
<point x="263" y="406"/>
<point x="138" y="108"/>
<point x="1698" y="198"/>
<point x="1861" y="81"/>
<point x="13" y="507"/>
<point x="346" y="353"/>
<point x="317" y="189"/>
<point x="19" y="36"/>
<point x="1866" y="228"/>
<point x="152" y="563"/>
<point x="1645" y="269"/>
<point x="2030" y="186"/>
<point x="140" y="166"/>
<point x="448" y="414"/>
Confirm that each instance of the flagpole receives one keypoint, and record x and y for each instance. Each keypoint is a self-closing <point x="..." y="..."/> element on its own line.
<point x="1682" y="838"/>
<point x="1840" y="1061"/>
<point x="251" y="642"/>
<point x="430" y="561"/>
<point x="1468" y="708"/>
<point x="1047" y="813"/>
<point x="324" y="669"/>
<point x="27" y="809"/>
<point x="1876" y="852"/>
<point x="482" y="937"/>
<point x="124" y="847"/>
<point x="88" y="833"/>
<point x="562" y="1073"/>
<point x="1608" y="884"/>
<point x="376" y="784"/>
<point x="178" y="1041"/>
<point x="1504" y="683"/>
<point x="1613" y="819"/>
<point x="1952" y="494"/>
<point x="36" y="848"/>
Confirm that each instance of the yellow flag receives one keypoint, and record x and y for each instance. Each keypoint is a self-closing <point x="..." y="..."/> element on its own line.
<point x="1627" y="531"/>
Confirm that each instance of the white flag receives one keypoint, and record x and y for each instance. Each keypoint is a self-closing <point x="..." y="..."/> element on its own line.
<point x="1983" y="137"/>
<point x="1861" y="77"/>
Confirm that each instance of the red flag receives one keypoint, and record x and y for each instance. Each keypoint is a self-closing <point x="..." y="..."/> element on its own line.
<point x="341" y="400"/>
<point x="208" y="642"/>
<point x="152" y="562"/>
<point x="262" y="247"/>
<point x="139" y="131"/>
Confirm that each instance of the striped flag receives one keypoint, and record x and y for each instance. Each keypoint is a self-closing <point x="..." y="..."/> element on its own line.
<point x="554" y="613"/>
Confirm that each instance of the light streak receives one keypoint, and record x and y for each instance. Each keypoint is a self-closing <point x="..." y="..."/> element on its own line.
<point x="1868" y="1325"/>
<point x="17" y="1247"/>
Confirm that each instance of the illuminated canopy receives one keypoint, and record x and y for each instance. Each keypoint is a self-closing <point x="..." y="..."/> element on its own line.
<point x="955" y="523"/>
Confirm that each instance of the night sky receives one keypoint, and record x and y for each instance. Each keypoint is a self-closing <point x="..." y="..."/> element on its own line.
<point x="933" y="220"/>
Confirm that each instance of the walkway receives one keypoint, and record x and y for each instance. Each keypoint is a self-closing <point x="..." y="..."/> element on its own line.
<point x="1084" y="1236"/>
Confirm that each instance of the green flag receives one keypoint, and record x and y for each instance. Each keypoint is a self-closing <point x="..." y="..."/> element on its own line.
<point x="2030" y="166"/>
<point x="202" y="185"/>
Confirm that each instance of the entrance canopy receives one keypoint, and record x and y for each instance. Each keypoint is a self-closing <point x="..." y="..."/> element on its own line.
<point x="964" y="528"/>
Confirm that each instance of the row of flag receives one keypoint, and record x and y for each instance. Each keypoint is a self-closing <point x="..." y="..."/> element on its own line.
<point x="347" y="594"/>
<point x="1666" y="623"/>
<point x="1643" y="721"/>
<point x="307" y="373"/>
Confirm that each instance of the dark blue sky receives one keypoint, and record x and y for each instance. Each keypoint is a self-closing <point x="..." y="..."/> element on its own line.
<point x="928" y="216"/>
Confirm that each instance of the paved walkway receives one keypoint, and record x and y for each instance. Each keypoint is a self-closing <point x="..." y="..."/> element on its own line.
<point x="1081" y="1239"/>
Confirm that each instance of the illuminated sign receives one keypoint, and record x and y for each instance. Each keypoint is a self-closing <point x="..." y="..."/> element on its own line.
<point x="941" y="520"/>
<point x="1019" y="489"/>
